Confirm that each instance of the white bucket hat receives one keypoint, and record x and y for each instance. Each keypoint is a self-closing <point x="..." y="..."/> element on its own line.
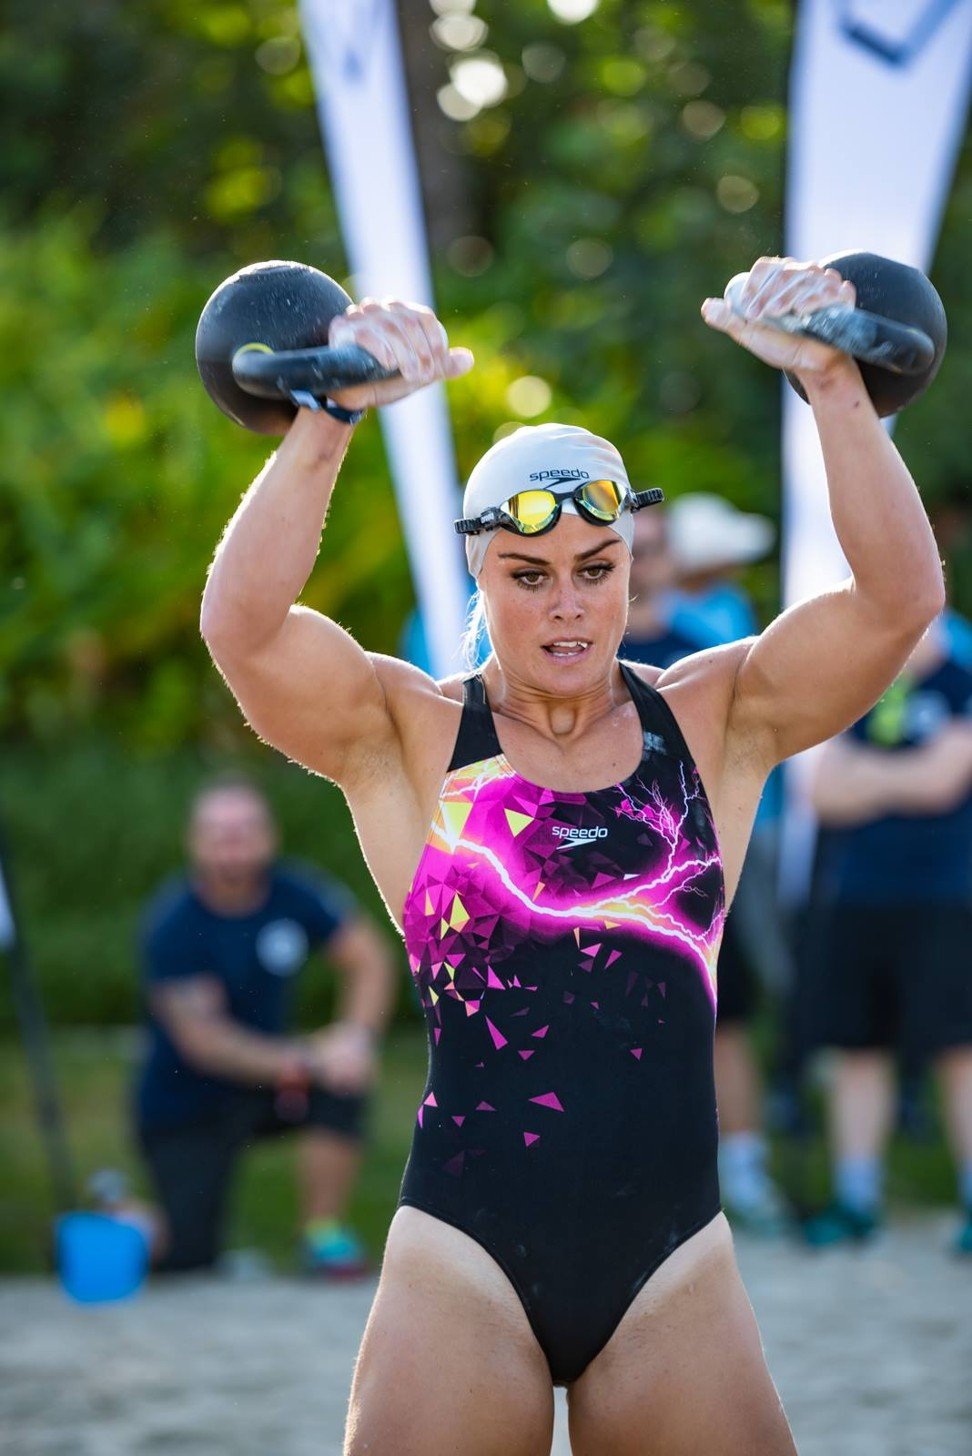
<point x="531" y="457"/>
<point x="706" y="532"/>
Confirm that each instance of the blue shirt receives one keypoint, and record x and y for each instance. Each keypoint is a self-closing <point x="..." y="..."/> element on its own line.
<point x="721" y="613"/>
<point x="661" y="650"/>
<point x="913" y="858"/>
<point x="254" y="957"/>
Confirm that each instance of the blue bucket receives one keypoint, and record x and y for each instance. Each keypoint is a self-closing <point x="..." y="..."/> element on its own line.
<point x="100" y="1258"/>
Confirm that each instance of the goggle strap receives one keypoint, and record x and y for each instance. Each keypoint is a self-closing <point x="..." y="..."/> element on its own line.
<point x="640" y="498"/>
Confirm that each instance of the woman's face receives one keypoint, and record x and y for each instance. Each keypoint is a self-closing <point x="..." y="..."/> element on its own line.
<point x="556" y="605"/>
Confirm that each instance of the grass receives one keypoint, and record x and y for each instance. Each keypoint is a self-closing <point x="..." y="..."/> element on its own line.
<point x="95" y="1068"/>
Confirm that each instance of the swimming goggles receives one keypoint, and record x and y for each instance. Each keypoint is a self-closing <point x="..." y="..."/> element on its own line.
<point x="532" y="512"/>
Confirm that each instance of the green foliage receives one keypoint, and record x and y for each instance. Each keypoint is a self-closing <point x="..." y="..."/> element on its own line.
<point x="117" y="478"/>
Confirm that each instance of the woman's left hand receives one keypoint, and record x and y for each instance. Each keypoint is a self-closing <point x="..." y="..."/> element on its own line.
<point x="777" y="286"/>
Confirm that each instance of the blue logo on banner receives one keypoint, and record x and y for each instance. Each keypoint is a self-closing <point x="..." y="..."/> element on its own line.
<point x="894" y="49"/>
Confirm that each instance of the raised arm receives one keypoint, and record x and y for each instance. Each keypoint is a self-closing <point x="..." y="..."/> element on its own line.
<point x="822" y="663"/>
<point x="302" y="681"/>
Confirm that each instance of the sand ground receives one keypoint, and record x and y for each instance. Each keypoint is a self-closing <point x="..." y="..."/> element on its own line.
<point x="872" y="1355"/>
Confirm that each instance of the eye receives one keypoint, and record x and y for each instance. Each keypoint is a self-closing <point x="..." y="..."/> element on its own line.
<point x="521" y="577"/>
<point x="602" y="568"/>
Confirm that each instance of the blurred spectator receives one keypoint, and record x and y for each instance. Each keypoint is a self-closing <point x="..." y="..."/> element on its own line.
<point x="895" y="792"/>
<point x="710" y="541"/>
<point x="223" y="946"/>
<point x="748" y="1192"/>
<point x="649" y="636"/>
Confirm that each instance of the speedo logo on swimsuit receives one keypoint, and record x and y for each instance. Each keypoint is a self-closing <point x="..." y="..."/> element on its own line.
<point x="560" y="475"/>
<point x="578" y="836"/>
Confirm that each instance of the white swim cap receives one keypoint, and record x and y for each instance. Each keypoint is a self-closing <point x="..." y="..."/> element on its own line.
<point x="533" y="456"/>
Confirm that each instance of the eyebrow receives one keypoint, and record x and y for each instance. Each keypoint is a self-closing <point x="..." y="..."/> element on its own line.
<point x="542" y="560"/>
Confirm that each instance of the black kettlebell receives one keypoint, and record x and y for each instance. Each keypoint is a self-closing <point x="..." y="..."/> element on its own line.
<point x="904" y="295"/>
<point x="276" y="307"/>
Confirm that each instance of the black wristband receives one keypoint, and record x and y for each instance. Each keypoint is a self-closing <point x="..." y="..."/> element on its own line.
<point x="303" y="399"/>
<point x="338" y="412"/>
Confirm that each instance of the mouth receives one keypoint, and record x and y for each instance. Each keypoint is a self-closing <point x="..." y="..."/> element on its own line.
<point x="569" y="649"/>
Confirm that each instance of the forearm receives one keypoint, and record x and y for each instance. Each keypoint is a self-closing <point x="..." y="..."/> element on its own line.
<point x="876" y="509"/>
<point x="367" y="994"/>
<point x="269" y="547"/>
<point x="870" y="784"/>
<point x="220" y="1047"/>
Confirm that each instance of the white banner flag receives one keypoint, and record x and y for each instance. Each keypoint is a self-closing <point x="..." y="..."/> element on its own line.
<point x="8" y="930"/>
<point x="355" y="55"/>
<point x="878" y="99"/>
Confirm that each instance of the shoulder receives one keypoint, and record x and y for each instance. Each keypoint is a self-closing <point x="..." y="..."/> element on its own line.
<point x="421" y="708"/>
<point x="171" y="908"/>
<point x="957" y="674"/>
<point x="408" y="689"/>
<point x="710" y="670"/>
<point x="301" y="887"/>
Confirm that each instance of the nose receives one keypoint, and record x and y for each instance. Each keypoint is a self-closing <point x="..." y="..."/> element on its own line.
<point x="566" y="604"/>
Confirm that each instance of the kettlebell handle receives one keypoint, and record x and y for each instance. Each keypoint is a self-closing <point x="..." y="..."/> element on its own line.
<point x="319" y="372"/>
<point x="867" y="337"/>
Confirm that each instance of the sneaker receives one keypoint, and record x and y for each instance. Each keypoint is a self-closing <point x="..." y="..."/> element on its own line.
<point x="962" y="1243"/>
<point x="334" y="1251"/>
<point x="837" y="1224"/>
<point x="764" y="1216"/>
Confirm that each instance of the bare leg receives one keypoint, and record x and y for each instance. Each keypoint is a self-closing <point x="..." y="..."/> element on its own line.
<point x="328" y="1166"/>
<point x="448" y="1365"/>
<point x="861" y="1104"/>
<point x="737" y="1081"/>
<point x="684" y="1373"/>
<point x="749" y="1194"/>
<point x="955" y="1072"/>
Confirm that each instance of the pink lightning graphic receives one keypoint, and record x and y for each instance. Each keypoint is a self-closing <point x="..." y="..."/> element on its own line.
<point x="491" y="853"/>
<point x="510" y="866"/>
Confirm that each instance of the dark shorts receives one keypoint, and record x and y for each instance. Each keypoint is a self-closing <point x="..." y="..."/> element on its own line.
<point x="736" y="984"/>
<point x="896" y="976"/>
<point x="192" y="1166"/>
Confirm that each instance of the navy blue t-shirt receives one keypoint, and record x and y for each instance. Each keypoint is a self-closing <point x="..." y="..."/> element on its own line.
<point x="661" y="650"/>
<point x="255" y="957"/>
<point x="911" y="858"/>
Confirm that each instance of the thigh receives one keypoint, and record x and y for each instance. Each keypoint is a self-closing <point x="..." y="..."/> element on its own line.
<point x="265" y="1114"/>
<point x="448" y="1365"/>
<point x="191" y="1170"/>
<point x="684" y="1373"/>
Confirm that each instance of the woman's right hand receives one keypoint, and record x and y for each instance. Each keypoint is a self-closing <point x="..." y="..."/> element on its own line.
<point x="406" y="337"/>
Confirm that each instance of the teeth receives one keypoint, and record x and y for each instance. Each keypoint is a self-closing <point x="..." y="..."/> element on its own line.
<point x="567" y="644"/>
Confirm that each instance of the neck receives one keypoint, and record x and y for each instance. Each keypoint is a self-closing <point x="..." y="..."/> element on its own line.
<point x="228" y="895"/>
<point x="561" y="715"/>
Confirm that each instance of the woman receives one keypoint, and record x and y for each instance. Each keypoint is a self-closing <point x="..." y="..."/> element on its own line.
<point x="560" y="1217"/>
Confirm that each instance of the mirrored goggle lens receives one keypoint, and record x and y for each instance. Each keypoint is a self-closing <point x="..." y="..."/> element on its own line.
<point x="603" y="498"/>
<point x="531" y="509"/>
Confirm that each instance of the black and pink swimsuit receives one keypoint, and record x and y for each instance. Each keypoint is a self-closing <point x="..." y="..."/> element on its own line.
<point x="564" y="948"/>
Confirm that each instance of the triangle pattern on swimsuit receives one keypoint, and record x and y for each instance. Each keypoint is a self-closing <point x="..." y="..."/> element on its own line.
<point x="564" y="947"/>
